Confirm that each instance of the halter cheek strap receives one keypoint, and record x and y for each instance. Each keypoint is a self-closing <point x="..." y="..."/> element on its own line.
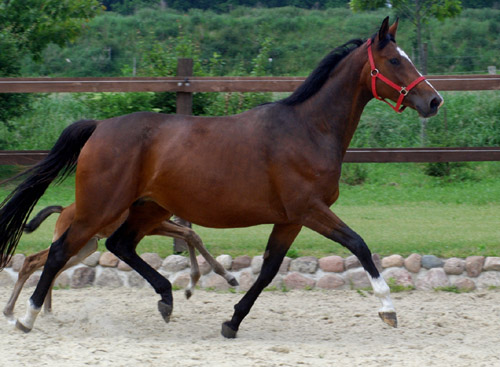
<point x="375" y="74"/>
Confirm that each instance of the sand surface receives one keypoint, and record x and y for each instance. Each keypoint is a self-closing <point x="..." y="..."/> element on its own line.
<point x="121" y="327"/>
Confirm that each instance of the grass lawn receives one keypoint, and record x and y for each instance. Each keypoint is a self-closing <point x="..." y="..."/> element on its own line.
<point x="398" y="210"/>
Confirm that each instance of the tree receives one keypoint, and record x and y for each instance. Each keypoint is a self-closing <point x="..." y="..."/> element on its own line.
<point x="27" y="27"/>
<point x="417" y="11"/>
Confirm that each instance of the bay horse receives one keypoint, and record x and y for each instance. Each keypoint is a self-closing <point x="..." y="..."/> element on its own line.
<point x="36" y="261"/>
<point x="277" y="163"/>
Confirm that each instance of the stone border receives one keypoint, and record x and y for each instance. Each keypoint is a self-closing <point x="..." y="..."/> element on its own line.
<point x="418" y="272"/>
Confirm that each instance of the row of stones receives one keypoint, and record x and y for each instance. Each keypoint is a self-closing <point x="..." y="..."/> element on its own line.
<point x="331" y="272"/>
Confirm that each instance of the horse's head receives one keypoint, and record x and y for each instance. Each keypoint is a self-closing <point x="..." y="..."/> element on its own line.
<point x="392" y="75"/>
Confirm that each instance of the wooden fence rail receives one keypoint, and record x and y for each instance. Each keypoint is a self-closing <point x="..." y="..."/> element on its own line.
<point x="355" y="155"/>
<point x="185" y="84"/>
<point x="191" y="84"/>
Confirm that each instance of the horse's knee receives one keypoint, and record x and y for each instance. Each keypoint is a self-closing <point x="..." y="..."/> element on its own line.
<point x="192" y="237"/>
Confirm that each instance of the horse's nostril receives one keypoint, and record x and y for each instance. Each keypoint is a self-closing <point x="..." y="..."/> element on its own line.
<point x="435" y="103"/>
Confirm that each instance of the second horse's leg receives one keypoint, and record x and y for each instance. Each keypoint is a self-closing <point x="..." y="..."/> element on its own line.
<point x="172" y="229"/>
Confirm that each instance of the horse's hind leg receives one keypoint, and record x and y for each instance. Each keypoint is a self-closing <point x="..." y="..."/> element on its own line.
<point x="89" y="248"/>
<point x="325" y="222"/>
<point x="279" y="242"/>
<point x="60" y="252"/>
<point x="143" y="217"/>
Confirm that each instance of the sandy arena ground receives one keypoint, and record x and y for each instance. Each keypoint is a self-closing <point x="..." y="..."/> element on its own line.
<point x="121" y="327"/>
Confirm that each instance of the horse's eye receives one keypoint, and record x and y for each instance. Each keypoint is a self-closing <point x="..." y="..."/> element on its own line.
<point x="394" y="61"/>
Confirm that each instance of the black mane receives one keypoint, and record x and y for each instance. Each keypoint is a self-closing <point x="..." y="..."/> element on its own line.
<point x="319" y="76"/>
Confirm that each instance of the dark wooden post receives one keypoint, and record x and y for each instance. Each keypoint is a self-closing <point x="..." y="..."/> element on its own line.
<point x="184" y="106"/>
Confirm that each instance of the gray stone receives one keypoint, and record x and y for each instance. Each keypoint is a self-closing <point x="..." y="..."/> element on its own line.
<point x="32" y="280"/>
<point x="330" y="281"/>
<point x="351" y="262"/>
<point x="246" y="280"/>
<point x="492" y="264"/>
<point x="332" y="264"/>
<point x="454" y="266"/>
<point x="357" y="278"/>
<point x="203" y="264"/>
<point x="241" y="262"/>
<point x="182" y="280"/>
<point x="277" y="282"/>
<point x="63" y="280"/>
<point x="285" y="265"/>
<point x="92" y="260"/>
<point x="431" y="261"/>
<point x="136" y="280"/>
<point x="464" y="284"/>
<point x="378" y="262"/>
<point x="6" y="279"/>
<point x="474" y="265"/>
<point x="304" y="264"/>
<point x="401" y="276"/>
<point x="214" y="281"/>
<point x="17" y="261"/>
<point x="393" y="261"/>
<point x="109" y="278"/>
<point x="225" y="260"/>
<point x="413" y="263"/>
<point x="123" y="266"/>
<point x="83" y="277"/>
<point x="108" y="260"/>
<point x="152" y="259"/>
<point x="256" y="264"/>
<point x="488" y="279"/>
<point x="434" y="278"/>
<point x="296" y="280"/>
<point x="175" y="263"/>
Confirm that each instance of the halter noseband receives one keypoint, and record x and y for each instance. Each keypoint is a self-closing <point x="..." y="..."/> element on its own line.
<point x="403" y="91"/>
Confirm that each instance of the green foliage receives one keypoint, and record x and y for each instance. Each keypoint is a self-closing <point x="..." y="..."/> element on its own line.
<point x="293" y="253"/>
<point x="450" y="289"/>
<point x="39" y="23"/>
<point x="396" y="288"/>
<point x="26" y="28"/>
<point x="106" y="105"/>
<point x="353" y="174"/>
<point x="116" y="45"/>
<point x="450" y="171"/>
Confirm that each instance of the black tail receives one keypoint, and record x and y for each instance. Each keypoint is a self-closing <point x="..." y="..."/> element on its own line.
<point x="61" y="161"/>
<point x="43" y="214"/>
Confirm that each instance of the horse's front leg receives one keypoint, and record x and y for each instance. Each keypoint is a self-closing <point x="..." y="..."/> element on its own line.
<point x="322" y="220"/>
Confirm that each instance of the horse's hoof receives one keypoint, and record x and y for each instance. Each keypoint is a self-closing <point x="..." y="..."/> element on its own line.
<point x="165" y="310"/>
<point x="227" y="331"/>
<point x="389" y="318"/>
<point x="233" y="282"/>
<point x="21" y="327"/>
<point x="188" y="293"/>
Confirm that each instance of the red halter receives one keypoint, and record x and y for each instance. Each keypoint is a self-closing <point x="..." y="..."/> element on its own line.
<point x="403" y="91"/>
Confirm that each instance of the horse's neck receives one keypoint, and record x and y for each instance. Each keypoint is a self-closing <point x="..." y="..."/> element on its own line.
<point x="337" y="107"/>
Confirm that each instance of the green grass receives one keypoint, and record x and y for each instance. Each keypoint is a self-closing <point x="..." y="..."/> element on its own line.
<point x="398" y="210"/>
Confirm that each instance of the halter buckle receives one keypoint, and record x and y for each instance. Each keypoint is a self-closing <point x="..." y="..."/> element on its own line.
<point x="403" y="91"/>
<point x="374" y="72"/>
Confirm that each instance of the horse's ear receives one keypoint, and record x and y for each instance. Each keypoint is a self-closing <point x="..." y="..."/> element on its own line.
<point x="394" y="28"/>
<point x="384" y="29"/>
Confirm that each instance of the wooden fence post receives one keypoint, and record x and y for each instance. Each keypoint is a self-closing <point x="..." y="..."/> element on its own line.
<point x="184" y="106"/>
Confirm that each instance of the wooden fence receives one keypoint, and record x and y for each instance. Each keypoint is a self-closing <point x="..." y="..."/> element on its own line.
<point x="185" y="84"/>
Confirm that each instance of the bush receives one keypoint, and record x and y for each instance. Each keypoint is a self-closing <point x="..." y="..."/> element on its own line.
<point x="353" y="174"/>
